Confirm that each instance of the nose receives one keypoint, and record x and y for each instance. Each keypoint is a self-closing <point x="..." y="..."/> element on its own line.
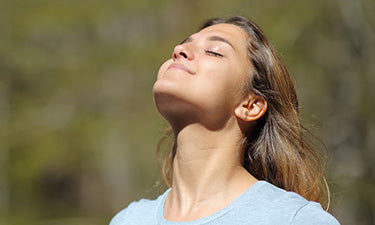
<point x="182" y="52"/>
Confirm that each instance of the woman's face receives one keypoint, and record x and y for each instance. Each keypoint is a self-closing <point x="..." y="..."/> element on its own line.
<point x="203" y="80"/>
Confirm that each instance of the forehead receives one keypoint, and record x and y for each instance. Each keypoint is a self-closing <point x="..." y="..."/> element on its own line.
<point x="229" y="29"/>
<point x="231" y="32"/>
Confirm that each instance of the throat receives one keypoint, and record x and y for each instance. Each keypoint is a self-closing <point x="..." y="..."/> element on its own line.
<point x="208" y="173"/>
<point x="186" y="202"/>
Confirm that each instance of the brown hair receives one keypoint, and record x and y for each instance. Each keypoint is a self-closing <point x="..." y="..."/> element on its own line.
<point x="280" y="150"/>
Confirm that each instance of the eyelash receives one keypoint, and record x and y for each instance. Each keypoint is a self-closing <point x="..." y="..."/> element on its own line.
<point x="213" y="53"/>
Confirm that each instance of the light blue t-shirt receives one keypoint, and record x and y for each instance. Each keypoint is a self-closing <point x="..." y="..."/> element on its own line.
<point x="262" y="204"/>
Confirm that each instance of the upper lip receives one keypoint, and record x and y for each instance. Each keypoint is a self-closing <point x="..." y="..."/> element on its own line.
<point x="180" y="66"/>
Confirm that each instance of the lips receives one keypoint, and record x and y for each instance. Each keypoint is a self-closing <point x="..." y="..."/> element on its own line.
<point x="180" y="67"/>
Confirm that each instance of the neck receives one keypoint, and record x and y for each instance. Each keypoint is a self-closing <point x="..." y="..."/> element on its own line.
<point x="207" y="166"/>
<point x="202" y="155"/>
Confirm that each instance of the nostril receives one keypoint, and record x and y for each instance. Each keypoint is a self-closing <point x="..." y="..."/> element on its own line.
<point x="183" y="54"/>
<point x="180" y="52"/>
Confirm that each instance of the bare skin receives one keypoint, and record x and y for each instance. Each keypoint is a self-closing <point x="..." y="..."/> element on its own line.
<point x="207" y="176"/>
<point x="198" y="93"/>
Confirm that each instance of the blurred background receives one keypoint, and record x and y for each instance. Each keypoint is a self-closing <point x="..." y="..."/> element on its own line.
<point x="78" y="128"/>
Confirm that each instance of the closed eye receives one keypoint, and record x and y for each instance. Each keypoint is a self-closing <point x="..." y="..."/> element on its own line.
<point x="209" y="52"/>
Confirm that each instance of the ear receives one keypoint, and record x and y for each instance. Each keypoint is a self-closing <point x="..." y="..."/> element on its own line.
<point x="251" y="109"/>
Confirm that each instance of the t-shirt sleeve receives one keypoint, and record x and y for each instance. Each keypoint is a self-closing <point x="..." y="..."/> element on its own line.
<point x="122" y="217"/>
<point x="140" y="212"/>
<point x="313" y="214"/>
<point x="119" y="217"/>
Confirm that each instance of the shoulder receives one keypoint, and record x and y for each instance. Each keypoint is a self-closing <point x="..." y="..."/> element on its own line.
<point x="134" y="211"/>
<point x="275" y="197"/>
<point x="312" y="213"/>
<point x="139" y="212"/>
<point x="278" y="206"/>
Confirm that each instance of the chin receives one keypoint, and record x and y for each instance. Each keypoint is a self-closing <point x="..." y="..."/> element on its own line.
<point x="168" y="91"/>
<point x="164" y="84"/>
<point x="170" y="102"/>
<point x="180" y="111"/>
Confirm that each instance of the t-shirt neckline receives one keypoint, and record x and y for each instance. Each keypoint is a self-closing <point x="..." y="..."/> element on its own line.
<point x="160" y="208"/>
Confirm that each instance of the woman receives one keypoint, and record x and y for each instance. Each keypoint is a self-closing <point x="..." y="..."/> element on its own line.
<point x="240" y="155"/>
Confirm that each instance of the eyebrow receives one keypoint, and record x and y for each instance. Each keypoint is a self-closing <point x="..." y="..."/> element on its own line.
<point x="211" y="38"/>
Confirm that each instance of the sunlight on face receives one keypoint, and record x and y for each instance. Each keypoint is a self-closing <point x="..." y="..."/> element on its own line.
<point x="205" y="75"/>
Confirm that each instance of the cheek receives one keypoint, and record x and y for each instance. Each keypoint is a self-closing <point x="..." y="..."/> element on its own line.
<point x="221" y="91"/>
<point x="227" y="80"/>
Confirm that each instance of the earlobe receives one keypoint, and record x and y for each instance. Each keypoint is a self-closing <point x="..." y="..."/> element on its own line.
<point x="252" y="109"/>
